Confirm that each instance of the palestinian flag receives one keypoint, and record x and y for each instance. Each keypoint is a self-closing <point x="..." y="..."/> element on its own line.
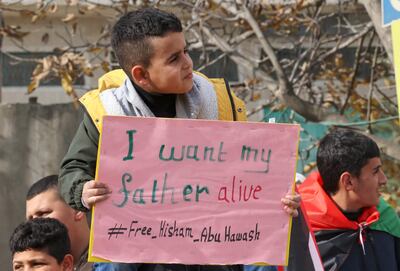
<point x="369" y="243"/>
<point x="303" y="251"/>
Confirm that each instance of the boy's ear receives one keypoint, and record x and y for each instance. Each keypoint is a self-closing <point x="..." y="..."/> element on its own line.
<point x="346" y="181"/>
<point x="139" y="75"/>
<point x="68" y="263"/>
<point x="79" y="215"/>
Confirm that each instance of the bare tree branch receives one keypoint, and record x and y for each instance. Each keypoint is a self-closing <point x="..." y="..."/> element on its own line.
<point x="356" y="65"/>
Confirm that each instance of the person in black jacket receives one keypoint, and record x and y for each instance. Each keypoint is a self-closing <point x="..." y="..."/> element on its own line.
<point x="354" y="228"/>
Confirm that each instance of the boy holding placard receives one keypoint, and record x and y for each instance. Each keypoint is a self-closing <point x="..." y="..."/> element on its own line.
<point x="158" y="82"/>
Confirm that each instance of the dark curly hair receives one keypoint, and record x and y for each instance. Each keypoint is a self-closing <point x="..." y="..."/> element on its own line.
<point x="44" y="234"/>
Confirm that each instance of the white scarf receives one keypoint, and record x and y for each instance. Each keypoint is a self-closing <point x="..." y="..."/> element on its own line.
<point x="199" y="103"/>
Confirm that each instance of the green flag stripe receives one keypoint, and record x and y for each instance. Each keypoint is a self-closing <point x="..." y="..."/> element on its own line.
<point x="389" y="221"/>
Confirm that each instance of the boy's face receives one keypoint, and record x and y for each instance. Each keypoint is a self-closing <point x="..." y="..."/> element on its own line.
<point x="170" y="69"/>
<point x="37" y="260"/>
<point x="49" y="204"/>
<point x="368" y="185"/>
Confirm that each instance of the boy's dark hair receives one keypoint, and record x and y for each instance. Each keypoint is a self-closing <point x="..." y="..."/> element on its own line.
<point x="340" y="151"/>
<point x="44" y="184"/>
<point x="130" y="35"/>
<point x="44" y="234"/>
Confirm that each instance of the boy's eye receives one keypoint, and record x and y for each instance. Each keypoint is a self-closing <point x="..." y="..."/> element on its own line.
<point x="36" y="264"/>
<point x="17" y="267"/>
<point x="43" y="213"/>
<point x="376" y="170"/>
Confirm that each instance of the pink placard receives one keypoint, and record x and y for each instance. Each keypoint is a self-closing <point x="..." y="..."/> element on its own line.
<point x="194" y="191"/>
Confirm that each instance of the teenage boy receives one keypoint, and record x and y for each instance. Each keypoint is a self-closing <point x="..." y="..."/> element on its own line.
<point x="44" y="200"/>
<point x="41" y="244"/>
<point x="160" y="82"/>
<point x="354" y="228"/>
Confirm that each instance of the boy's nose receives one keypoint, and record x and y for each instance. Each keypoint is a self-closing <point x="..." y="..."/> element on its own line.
<point x="188" y="62"/>
<point x="383" y="179"/>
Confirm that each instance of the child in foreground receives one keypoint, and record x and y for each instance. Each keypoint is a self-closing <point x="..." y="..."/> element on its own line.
<point x="158" y="82"/>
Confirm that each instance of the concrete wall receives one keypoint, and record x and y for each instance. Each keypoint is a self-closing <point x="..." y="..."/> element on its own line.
<point x="33" y="140"/>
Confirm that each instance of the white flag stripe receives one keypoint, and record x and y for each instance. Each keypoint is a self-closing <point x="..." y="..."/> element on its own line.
<point x="314" y="254"/>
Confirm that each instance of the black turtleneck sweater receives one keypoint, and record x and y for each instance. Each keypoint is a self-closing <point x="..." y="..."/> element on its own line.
<point x="353" y="216"/>
<point x="162" y="105"/>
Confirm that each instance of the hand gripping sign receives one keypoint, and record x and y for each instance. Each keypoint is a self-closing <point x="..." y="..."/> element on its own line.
<point x="194" y="191"/>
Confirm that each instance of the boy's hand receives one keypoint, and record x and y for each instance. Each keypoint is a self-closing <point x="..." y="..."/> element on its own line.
<point x="94" y="191"/>
<point x="291" y="203"/>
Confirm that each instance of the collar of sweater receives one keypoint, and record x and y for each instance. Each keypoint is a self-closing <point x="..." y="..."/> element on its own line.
<point x="199" y="103"/>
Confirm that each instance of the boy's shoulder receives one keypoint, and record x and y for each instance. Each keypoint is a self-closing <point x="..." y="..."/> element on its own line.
<point x="112" y="79"/>
<point x="389" y="220"/>
<point x="91" y="100"/>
